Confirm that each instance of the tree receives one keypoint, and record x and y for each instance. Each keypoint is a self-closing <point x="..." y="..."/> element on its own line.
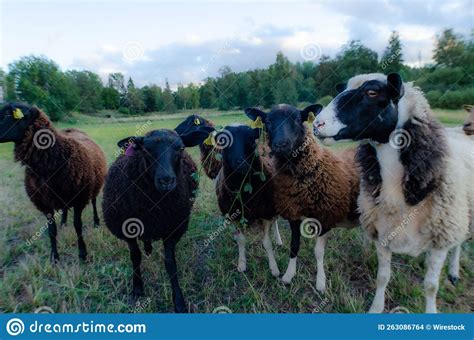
<point x="207" y="94"/>
<point x="449" y="49"/>
<point x="89" y="87"/>
<point x="392" y="59"/>
<point x="117" y="82"/>
<point x="354" y="59"/>
<point x="152" y="98"/>
<point x="110" y="98"/>
<point x="2" y="85"/>
<point x="39" y="81"/>
<point x="168" y="99"/>
<point x="134" y="100"/>
<point x="283" y="76"/>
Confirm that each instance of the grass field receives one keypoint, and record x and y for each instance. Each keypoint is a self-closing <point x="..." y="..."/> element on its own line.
<point x="208" y="275"/>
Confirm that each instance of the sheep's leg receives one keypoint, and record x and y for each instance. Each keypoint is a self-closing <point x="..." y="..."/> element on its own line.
<point x="267" y="244"/>
<point x="384" y="258"/>
<point x="136" y="258"/>
<point x="148" y="247"/>
<point x="240" y="239"/>
<point x="434" y="263"/>
<point x="78" y="227"/>
<point x="96" y="215"/>
<point x="276" y="233"/>
<point x="294" y="249"/>
<point x="453" y="275"/>
<point x="172" y="270"/>
<point x="319" y="253"/>
<point x="53" y="233"/>
<point x="64" y="218"/>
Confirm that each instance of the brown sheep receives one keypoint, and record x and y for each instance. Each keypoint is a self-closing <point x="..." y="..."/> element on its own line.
<point x="64" y="169"/>
<point x="316" y="189"/>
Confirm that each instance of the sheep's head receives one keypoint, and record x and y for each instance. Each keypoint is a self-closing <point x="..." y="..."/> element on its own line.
<point x="285" y="126"/>
<point x="14" y="121"/>
<point x="469" y="123"/>
<point x="238" y="145"/>
<point x="366" y="109"/>
<point x="162" y="151"/>
<point x="192" y="123"/>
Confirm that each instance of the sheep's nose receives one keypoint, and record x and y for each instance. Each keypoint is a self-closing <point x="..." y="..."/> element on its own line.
<point x="167" y="180"/>
<point x="281" y="145"/>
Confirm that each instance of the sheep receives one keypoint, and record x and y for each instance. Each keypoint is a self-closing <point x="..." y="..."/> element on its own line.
<point x="244" y="187"/>
<point x="211" y="157"/>
<point x="316" y="189"/>
<point x="466" y="131"/>
<point x="417" y="192"/>
<point x="64" y="169"/>
<point x="148" y="195"/>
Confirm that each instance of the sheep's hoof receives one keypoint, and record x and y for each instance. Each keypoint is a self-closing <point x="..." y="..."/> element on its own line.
<point x="376" y="309"/>
<point x="321" y="287"/>
<point x="137" y="292"/>
<point x="181" y="309"/>
<point x="453" y="279"/>
<point x="242" y="267"/>
<point x="275" y="272"/>
<point x="54" y="258"/>
<point x="286" y="279"/>
<point x="83" y="256"/>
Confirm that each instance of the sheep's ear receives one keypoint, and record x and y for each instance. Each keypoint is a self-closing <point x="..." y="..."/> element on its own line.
<point x="468" y="108"/>
<point x="395" y="87"/>
<point x="341" y="87"/>
<point x="253" y="113"/>
<point x="132" y="140"/>
<point x="315" y="109"/>
<point x="196" y="137"/>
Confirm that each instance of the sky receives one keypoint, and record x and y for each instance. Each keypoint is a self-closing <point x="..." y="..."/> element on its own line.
<point x="187" y="41"/>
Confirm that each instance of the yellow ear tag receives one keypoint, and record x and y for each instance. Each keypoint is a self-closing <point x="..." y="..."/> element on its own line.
<point x="197" y="121"/>
<point x="17" y="114"/>
<point x="257" y="123"/>
<point x="208" y="140"/>
<point x="311" y="118"/>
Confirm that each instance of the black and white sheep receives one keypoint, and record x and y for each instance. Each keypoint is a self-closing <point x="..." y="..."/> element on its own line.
<point x="149" y="194"/>
<point x="315" y="189"/>
<point x="417" y="187"/>
<point x="64" y="168"/>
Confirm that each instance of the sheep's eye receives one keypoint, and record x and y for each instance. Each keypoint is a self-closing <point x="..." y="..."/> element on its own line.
<point x="181" y="149"/>
<point x="372" y="93"/>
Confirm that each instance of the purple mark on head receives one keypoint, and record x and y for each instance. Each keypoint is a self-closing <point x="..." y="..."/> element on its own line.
<point x="130" y="151"/>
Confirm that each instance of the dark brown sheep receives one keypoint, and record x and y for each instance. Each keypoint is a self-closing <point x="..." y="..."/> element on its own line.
<point x="64" y="169"/>
<point x="149" y="194"/>
<point x="315" y="189"/>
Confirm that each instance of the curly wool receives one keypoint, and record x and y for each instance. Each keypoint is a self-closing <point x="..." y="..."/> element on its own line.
<point x="68" y="174"/>
<point x="130" y="193"/>
<point x="317" y="183"/>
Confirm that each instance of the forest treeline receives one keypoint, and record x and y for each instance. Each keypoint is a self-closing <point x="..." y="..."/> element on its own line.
<point x="448" y="82"/>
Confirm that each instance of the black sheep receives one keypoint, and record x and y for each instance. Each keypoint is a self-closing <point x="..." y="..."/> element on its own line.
<point x="148" y="195"/>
